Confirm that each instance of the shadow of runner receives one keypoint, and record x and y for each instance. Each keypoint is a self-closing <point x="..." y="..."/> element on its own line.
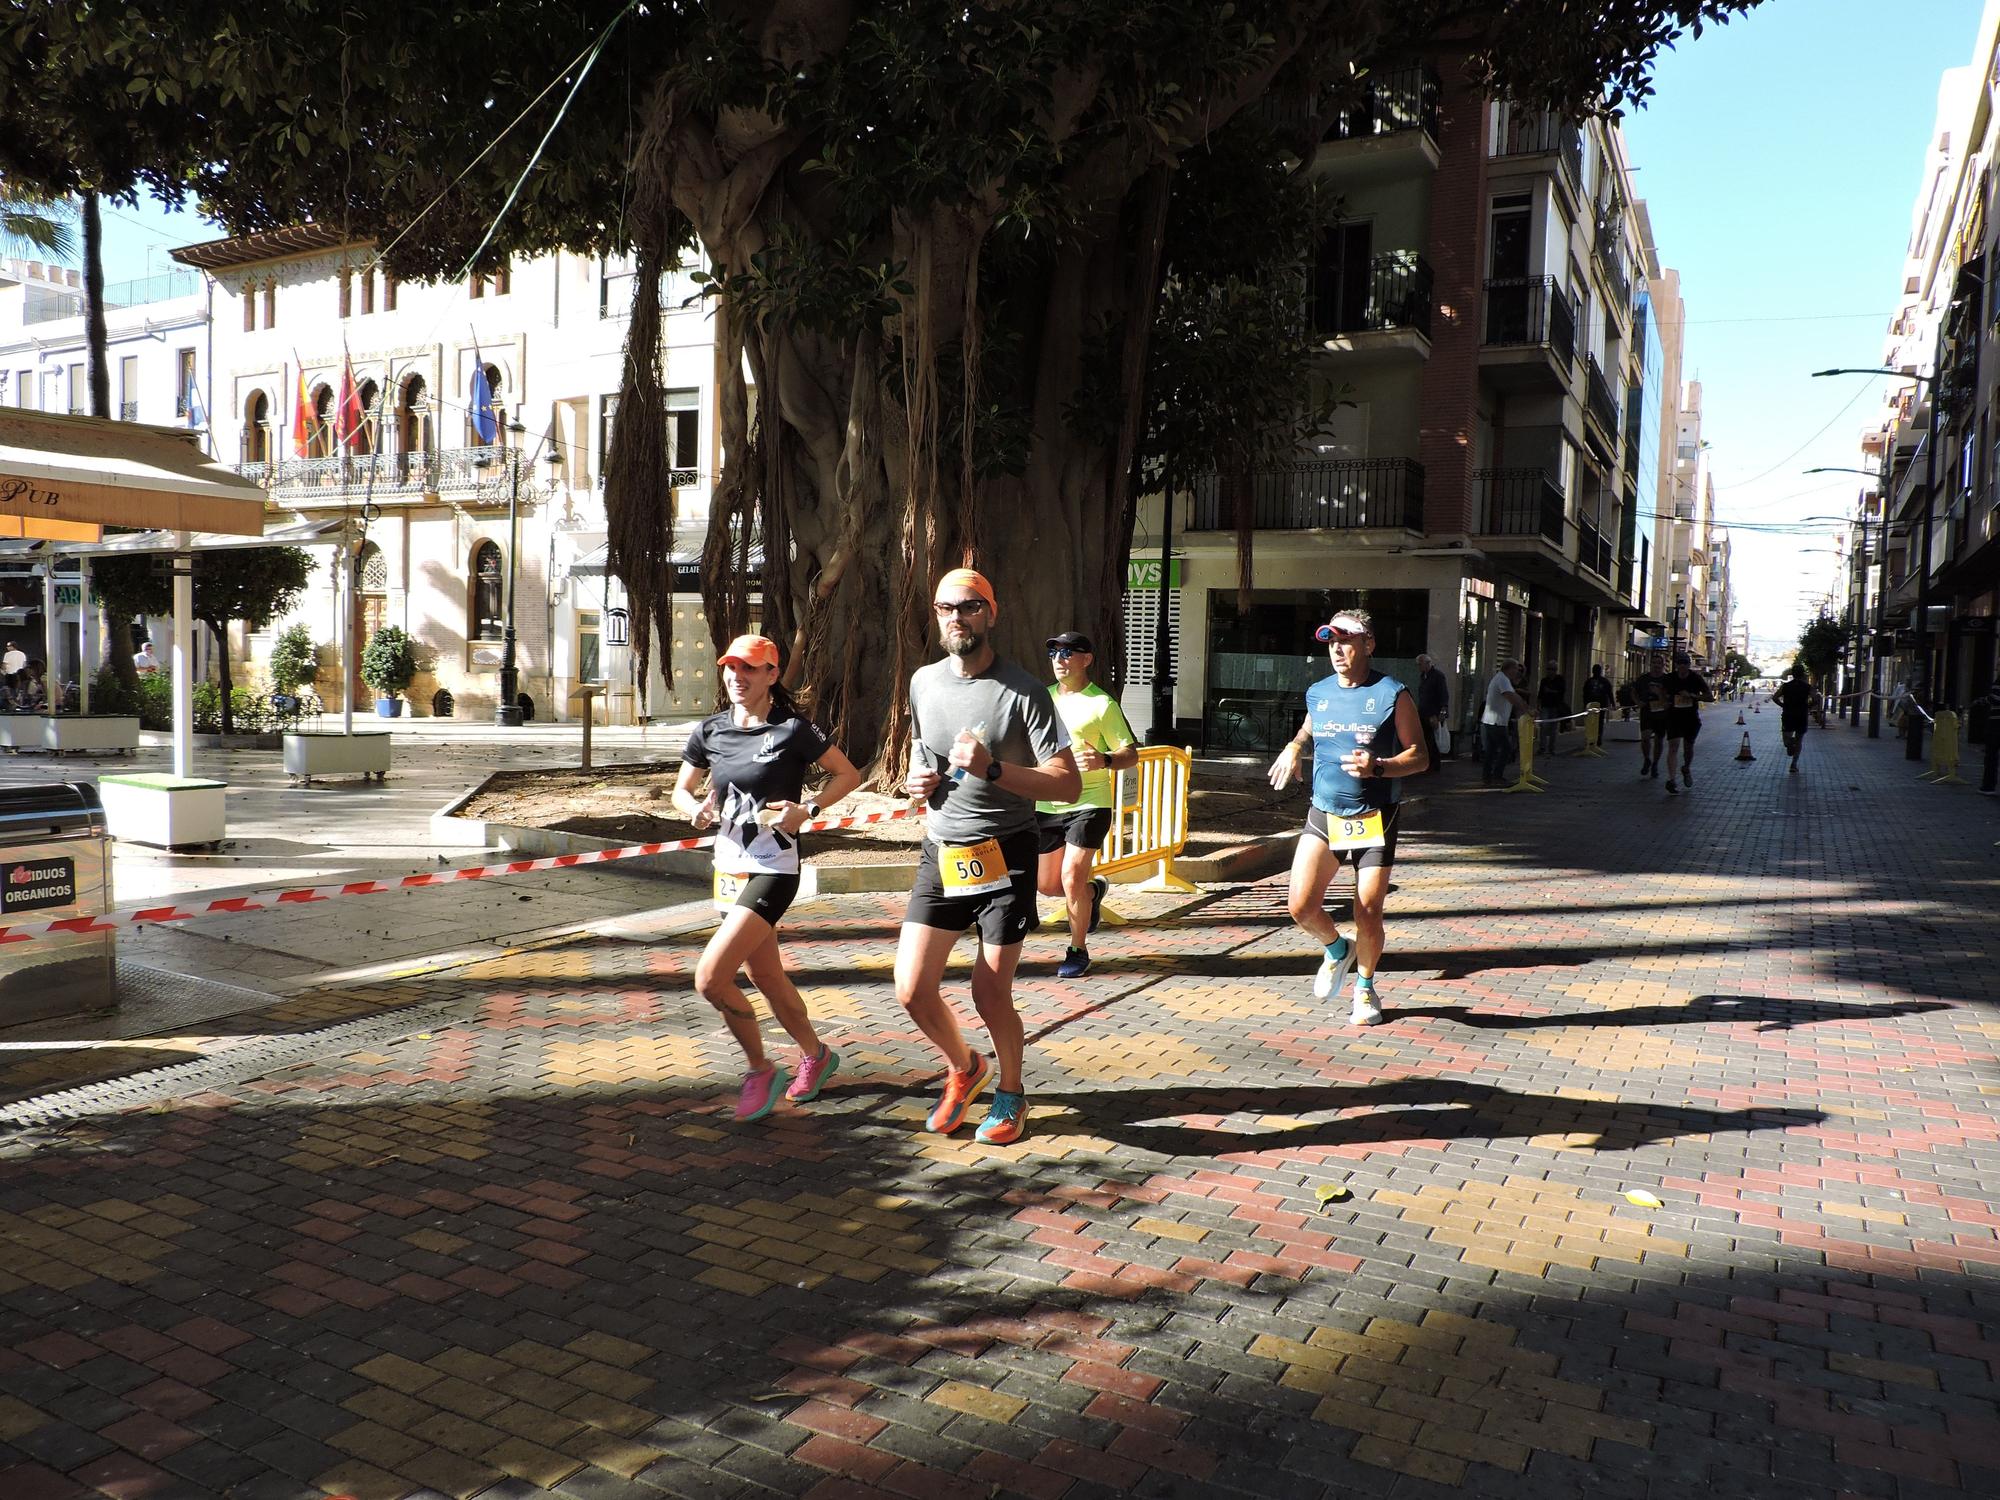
<point x="1769" y="1012"/>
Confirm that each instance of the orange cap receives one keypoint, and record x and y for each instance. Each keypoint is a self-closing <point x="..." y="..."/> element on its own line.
<point x="752" y="651"/>
<point x="969" y="578"/>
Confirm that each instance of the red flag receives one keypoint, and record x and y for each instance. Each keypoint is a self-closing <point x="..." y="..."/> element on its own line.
<point x="349" y="417"/>
<point x="302" y="421"/>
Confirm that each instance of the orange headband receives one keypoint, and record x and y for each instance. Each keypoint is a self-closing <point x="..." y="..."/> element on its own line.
<point x="969" y="578"/>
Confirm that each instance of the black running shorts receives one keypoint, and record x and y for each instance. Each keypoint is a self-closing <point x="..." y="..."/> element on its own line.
<point x="1361" y="859"/>
<point x="1085" y="828"/>
<point x="770" y="896"/>
<point x="1003" y="917"/>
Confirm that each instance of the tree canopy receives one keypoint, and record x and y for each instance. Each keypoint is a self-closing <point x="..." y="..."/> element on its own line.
<point x="984" y="263"/>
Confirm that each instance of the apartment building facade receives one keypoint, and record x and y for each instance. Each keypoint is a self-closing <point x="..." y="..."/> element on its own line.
<point x="1479" y="490"/>
<point x="1930" y="593"/>
<point x="444" y="519"/>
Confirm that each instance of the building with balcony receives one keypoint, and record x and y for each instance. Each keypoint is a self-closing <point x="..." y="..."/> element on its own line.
<point x="1932" y="594"/>
<point x="428" y="500"/>
<point x="1478" y="489"/>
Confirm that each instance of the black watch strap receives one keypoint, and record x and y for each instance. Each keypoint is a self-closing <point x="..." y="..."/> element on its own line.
<point x="993" y="770"/>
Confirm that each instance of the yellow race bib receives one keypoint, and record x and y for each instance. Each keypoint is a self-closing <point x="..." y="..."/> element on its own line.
<point x="972" y="869"/>
<point x="727" y="888"/>
<point x="1363" y="831"/>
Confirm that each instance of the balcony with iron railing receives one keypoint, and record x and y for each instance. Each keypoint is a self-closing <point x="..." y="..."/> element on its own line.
<point x="1345" y="495"/>
<point x="1391" y="293"/>
<point x="1602" y="402"/>
<point x="1529" y="335"/>
<point x="1525" y="132"/>
<point x="476" y="471"/>
<point x="1519" y="502"/>
<point x="1388" y="103"/>
<point x="1593" y="550"/>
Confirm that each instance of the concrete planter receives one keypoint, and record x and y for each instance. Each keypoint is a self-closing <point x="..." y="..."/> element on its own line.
<point x="262" y="741"/>
<point x="170" y="812"/>
<point x="70" y="734"/>
<point x="308" y="755"/>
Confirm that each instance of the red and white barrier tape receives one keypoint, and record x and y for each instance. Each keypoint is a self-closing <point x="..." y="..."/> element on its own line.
<point x="303" y="895"/>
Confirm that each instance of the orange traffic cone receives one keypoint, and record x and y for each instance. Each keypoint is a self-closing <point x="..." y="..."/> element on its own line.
<point x="1739" y="717"/>
<point x="1756" y="708"/>
<point x="1743" y="750"/>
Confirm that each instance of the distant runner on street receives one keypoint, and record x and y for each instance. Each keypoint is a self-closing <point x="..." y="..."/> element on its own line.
<point x="1651" y="690"/>
<point x="757" y="753"/>
<point x="1794" y="697"/>
<point x="1687" y="690"/>
<point x="1365" y="733"/>
<point x="1071" y="832"/>
<point x="987" y="745"/>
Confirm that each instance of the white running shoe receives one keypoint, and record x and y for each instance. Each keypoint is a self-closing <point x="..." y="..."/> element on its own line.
<point x="1333" y="970"/>
<point x="1367" y="1008"/>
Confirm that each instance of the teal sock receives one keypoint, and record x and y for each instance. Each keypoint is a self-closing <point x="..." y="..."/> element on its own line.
<point x="1364" y="981"/>
<point x="1337" y="949"/>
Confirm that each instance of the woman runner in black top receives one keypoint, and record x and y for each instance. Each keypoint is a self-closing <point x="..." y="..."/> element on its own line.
<point x="757" y="753"/>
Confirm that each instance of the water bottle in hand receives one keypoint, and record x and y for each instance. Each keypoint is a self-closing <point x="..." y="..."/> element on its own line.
<point x="976" y="732"/>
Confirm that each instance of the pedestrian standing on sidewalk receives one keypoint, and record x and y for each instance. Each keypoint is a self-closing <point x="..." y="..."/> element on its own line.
<point x="1551" y="702"/>
<point x="988" y="745"/>
<point x="1433" y="704"/>
<point x="1598" y="693"/>
<point x="1071" y="832"/>
<point x="757" y="753"/>
<point x="1364" y="734"/>
<point x="1794" y="698"/>
<point x="1496" y="722"/>
<point x="1989" y="779"/>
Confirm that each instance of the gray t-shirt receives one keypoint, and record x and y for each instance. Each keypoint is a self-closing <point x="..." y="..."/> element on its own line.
<point x="1021" y="728"/>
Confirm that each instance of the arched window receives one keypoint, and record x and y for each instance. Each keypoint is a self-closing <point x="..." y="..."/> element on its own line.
<point x="371" y="570"/>
<point x="257" y="429"/>
<point x="488" y="593"/>
<point x="371" y="403"/>
<point x="319" y="439"/>
<point x="494" y="383"/>
<point x="413" y="426"/>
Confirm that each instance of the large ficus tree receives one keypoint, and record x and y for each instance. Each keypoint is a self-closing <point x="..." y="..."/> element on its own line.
<point x="938" y="234"/>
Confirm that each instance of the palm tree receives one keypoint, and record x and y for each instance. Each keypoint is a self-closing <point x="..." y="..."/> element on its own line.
<point x="30" y="225"/>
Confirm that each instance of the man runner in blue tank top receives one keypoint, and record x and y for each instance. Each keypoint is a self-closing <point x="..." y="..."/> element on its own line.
<point x="1365" y="735"/>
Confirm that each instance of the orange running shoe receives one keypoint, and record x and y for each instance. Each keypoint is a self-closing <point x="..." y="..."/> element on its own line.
<point x="960" y="1089"/>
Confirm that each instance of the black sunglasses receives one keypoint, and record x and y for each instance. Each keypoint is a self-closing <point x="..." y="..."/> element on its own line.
<point x="1064" y="653"/>
<point x="944" y="609"/>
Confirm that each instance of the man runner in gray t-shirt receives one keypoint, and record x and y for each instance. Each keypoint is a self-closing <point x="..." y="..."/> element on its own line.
<point x="987" y="745"/>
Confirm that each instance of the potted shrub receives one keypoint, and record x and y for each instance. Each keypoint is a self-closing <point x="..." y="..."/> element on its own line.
<point x="294" y="660"/>
<point x="388" y="663"/>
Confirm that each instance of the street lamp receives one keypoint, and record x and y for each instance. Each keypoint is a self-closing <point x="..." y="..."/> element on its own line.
<point x="1858" y="590"/>
<point x="507" y="713"/>
<point x="1913" y="749"/>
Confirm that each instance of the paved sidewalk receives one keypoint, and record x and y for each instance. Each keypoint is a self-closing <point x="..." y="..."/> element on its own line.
<point x="346" y="829"/>
<point x="498" y="1235"/>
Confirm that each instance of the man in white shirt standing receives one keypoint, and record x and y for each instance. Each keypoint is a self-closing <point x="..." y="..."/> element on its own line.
<point x="1496" y="732"/>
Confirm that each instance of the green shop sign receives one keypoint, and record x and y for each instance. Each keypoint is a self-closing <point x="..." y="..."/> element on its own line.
<point x="1144" y="574"/>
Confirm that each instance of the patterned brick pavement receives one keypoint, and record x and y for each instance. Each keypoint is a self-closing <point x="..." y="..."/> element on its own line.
<point x="509" y="1242"/>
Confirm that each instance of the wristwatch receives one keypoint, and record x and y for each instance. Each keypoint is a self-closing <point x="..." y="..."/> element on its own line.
<point x="812" y="809"/>
<point x="992" y="770"/>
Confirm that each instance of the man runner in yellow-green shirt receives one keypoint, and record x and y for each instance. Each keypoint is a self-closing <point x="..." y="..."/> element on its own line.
<point x="1102" y="742"/>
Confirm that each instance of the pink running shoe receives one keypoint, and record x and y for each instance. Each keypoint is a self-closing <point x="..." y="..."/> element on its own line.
<point x="813" y="1074"/>
<point x="760" y="1092"/>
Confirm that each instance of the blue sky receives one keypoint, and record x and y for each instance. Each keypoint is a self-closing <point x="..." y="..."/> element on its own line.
<point x="1779" y="160"/>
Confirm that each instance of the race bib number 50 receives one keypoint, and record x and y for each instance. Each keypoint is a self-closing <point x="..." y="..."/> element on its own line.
<point x="972" y="869"/>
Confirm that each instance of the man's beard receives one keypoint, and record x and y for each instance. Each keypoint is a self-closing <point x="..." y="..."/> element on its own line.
<point x="966" y="644"/>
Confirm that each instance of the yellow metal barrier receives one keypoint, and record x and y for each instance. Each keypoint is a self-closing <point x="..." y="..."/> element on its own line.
<point x="1593" y="731"/>
<point x="1529" y="781"/>
<point x="1149" y="817"/>
<point x="1944" y="751"/>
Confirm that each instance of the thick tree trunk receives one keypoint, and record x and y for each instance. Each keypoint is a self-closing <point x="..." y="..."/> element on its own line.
<point x="93" y="296"/>
<point x="219" y="629"/>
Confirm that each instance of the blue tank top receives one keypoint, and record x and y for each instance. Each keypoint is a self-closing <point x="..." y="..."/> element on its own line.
<point x="1352" y="718"/>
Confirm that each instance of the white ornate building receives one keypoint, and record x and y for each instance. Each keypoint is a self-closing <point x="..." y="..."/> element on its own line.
<point x="431" y="500"/>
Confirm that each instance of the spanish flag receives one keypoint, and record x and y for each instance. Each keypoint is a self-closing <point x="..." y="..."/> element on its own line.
<point x="302" y="421"/>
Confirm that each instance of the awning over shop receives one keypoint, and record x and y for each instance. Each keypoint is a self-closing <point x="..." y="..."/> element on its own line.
<point x="91" y="471"/>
